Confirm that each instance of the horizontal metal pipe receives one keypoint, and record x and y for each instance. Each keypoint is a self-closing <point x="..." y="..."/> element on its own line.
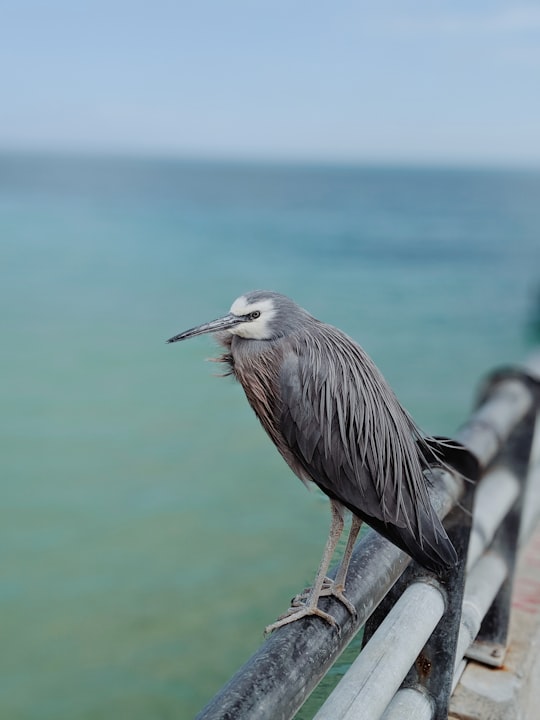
<point x="532" y="364"/>
<point x="277" y="679"/>
<point x="492" y="423"/>
<point x="376" y="674"/>
<point x="531" y="510"/>
<point x="410" y="703"/>
<point x="459" y="672"/>
<point x="532" y="367"/>
<point x="494" y="497"/>
<point x="535" y="449"/>
<point x="481" y="587"/>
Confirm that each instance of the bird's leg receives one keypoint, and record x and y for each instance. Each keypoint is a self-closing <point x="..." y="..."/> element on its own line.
<point x="337" y="587"/>
<point x="300" y="609"/>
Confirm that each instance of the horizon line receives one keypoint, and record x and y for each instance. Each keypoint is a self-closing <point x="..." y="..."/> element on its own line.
<point x="271" y="159"/>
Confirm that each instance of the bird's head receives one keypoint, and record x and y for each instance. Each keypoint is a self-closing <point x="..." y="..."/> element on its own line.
<point x="257" y="315"/>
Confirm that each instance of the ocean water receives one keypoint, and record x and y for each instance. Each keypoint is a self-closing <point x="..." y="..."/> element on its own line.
<point x="149" y="528"/>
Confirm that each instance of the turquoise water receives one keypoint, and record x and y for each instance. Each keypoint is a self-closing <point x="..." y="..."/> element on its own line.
<point x="150" y="530"/>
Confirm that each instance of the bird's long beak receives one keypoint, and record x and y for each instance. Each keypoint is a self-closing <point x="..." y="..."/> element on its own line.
<point x="224" y="323"/>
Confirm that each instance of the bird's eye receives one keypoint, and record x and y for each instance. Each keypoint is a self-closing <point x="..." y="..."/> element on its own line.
<point x="254" y="315"/>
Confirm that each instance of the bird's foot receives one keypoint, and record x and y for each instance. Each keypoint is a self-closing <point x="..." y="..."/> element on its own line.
<point x="303" y="605"/>
<point x="329" y="588"/>
<point x="299" y="610"/>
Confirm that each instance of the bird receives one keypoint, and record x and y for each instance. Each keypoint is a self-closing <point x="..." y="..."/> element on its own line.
<point x="337" y="423"/>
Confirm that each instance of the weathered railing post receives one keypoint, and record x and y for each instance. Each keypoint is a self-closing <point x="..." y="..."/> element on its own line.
<point x="490" y="644"/>
<point x="426" y="688"/>
<point x="434" y="667"/>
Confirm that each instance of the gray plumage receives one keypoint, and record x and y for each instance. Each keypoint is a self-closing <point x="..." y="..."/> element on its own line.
<point x="334" y="419"/>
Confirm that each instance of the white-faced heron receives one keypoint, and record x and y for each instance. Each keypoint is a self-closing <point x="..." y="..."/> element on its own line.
<point x="337" y="423"/>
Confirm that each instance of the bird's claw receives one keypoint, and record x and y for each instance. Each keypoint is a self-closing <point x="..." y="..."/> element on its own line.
<point x="329" y="589"/>
<point x="295" y="612"/>
<point x="334" y="590"/>
<point x="303" y="605"/>
<point x="303" y="596"/>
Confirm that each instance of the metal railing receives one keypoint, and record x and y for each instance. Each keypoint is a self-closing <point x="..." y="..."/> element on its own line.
<point x="418" y="626"/>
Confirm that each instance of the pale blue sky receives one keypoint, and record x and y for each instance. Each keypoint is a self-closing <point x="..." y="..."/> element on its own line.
<point x="393" y="80"/>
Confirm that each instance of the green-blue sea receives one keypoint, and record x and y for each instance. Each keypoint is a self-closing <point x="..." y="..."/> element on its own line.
<point x="149" y="530"/>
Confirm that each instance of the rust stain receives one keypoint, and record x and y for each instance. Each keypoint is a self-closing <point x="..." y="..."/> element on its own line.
<point x="423" y="666"/>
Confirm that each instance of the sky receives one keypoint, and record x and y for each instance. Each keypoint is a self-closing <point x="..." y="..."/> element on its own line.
<point x="422" y="81"/>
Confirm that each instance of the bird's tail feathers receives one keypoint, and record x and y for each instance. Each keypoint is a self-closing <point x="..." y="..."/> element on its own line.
<point x="430" y="546"/>
<point x="435" y="552"/>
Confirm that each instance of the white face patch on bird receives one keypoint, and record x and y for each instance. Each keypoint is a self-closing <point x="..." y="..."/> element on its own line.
<point x="258" y="315"/>
<point x="251" y="318"/>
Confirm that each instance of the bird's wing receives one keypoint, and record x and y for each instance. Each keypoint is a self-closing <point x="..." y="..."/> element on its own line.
<point x="347" y="429"/>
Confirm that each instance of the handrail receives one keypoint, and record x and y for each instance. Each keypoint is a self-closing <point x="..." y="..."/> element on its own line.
<point x="282" y="673"/>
